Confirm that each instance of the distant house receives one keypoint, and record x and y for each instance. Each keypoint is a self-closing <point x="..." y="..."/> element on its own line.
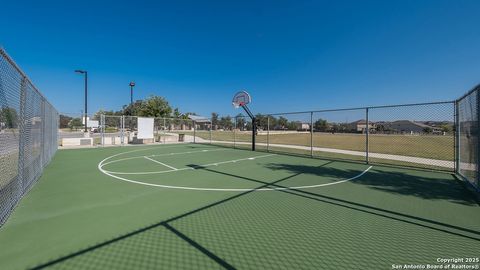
<point x="200" y="121"/>
<point x="411" y="127"/>
<point x="361" y="126"/>
<point x="302" y="126"/>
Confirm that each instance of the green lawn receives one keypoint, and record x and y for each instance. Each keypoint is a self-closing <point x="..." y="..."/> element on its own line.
<point x="425" y="146"/>
<point x="76" y="217"/>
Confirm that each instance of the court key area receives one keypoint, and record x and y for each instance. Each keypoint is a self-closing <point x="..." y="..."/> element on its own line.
<point x="200" y="206"/>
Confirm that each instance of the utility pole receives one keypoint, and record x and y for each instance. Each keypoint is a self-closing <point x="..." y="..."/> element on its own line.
<point x="132" y="84"/>
<point x="85" y="75"/>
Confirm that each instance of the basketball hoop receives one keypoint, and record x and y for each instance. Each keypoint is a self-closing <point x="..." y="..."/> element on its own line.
<point x="241" y="99"/>
<point x="238" y="105"/>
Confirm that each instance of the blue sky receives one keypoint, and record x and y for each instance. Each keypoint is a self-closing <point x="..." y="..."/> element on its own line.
<point x="290" y="55"/>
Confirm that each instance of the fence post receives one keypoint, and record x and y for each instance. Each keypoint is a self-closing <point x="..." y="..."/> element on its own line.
<point x="456" y="137"/>
<point x="211" y="128"/>
<point x="254" y="132"/>
<point x="311" y="134"/>
<point x="194" y="131"/>
<point x="478" y="137"/>
<point x="21" y="135"/>
<point x="43" y="128"/>
<point x="367" y="131"/>
<point x="235" y="133"/>
<point x="268" y="133"/>
<point x="102" y="126"/>
<point x="122" y="129"/>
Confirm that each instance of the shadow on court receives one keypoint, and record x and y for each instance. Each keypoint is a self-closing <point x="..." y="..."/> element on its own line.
<point x="102" y="253"/>
<point x="202" y="239"/>
<point x="397" y="182"/>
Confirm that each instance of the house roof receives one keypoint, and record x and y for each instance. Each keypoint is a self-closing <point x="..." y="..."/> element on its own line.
<point x="411" y="122"/>
<point x="361" y="121"/>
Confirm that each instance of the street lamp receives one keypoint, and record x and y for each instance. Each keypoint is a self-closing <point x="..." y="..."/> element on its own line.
<point x="84" y="72"/>
<point x="132" y="84"/>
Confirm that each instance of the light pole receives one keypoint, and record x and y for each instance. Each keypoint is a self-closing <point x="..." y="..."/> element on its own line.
<point x="132" y="84"/>
<point x="84" y="72"/>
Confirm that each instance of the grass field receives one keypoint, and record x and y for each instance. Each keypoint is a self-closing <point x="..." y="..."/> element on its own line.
<point x="206" y="207"/>
<point x="432" y="146"/>
<point x="8" y="162"/>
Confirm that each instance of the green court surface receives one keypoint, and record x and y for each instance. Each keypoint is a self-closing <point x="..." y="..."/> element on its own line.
<point x="194" y="206"/>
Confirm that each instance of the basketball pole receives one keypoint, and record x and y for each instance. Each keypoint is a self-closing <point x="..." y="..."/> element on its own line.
<point x="254" y="124"/>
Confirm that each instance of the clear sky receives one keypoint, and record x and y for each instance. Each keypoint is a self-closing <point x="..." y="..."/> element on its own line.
<point x="290" y="55"/>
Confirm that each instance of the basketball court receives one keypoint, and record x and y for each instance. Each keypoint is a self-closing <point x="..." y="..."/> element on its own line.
<point x="196" y="206"/>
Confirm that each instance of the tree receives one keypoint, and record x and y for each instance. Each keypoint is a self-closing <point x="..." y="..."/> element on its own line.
<point x="64" y="120"/>
<point x="446" y="128"/>
<point x="321" y="125"/>
<point x="214" y="120"/>
<point x="262" y="121"/>
<point x="226" y="122"/>
<point x="343" y="127"/>
<point x="427" y="130"/>
<point x="75" y="123"/>
<point x="9" y="117"/>
<point x="335" y="127"/>
<point x="241" y="123"/>
<point x="282" y="122"/>
<point x="112" y="119"/>
<point x="293" y="125"/>
<point x="176" y="115"/>
<point x="272" y="121"/>
<point x="133" y="109"/>
<point x="381" y="128"/>
<point x="155" y="106"/>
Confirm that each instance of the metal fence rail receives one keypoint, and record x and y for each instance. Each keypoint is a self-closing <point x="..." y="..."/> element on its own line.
<point x="28" y="134"/>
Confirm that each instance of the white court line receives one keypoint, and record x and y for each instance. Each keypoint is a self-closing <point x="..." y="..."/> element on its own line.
<point x="162" y="155"/>
<point x="161" y="163"/>
<point x="190" y="168"/>
<point x="232" y="189"/>
<point x="100" y="165"/>
<point x="139" y="150"/>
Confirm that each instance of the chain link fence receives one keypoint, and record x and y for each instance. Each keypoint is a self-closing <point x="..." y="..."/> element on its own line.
<point x="467" y="136"/>
<point x="415" y="135"/>
<point x="115" y="130"/>
<point x="411" y="135"/>
<point x="28" y="134"/>
<point x="419" y="135"/>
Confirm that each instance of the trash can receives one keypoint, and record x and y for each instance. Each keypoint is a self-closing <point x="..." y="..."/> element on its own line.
<point x="181" y="137"/>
